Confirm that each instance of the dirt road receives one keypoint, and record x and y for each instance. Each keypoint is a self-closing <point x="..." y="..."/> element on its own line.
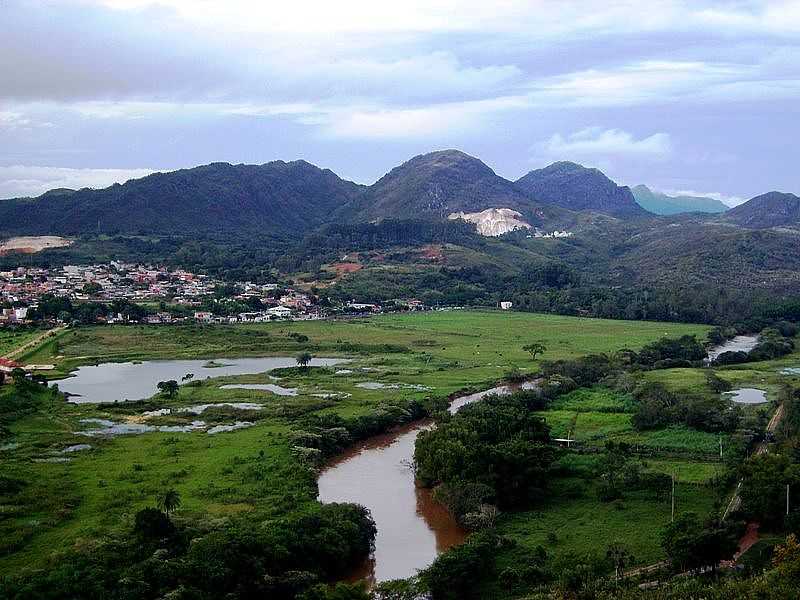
<point x="16" y="352"/>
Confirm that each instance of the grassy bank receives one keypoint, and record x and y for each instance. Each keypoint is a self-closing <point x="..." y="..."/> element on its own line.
<point x="67" y="504"/>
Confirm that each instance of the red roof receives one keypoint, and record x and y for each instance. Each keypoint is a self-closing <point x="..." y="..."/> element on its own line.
<point x="5" y="362"/>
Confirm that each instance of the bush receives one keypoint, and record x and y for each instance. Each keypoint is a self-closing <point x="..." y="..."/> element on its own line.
<point x="454" y="575"/>
<point x="151" y="524"/>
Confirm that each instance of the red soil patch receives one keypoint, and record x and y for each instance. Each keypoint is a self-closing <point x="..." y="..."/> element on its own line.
<point x="749" y="539"/>
<point x="18" y="251"/>
<point x="432" y="252"/>
<point x="343" y="268"/>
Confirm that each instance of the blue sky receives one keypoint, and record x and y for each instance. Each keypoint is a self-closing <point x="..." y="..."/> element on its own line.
<point x="682" y="96"/>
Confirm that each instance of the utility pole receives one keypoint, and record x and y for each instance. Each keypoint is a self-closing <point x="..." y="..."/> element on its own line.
<point x="720" y="446"/>
<point x="673" y="500"/>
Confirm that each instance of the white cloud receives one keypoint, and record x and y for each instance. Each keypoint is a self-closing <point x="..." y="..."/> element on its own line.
<point x="598" y="143"/>
<point x="21" y="180"/>
<point x="452" y="119"/>
<point x="543" y="17"/>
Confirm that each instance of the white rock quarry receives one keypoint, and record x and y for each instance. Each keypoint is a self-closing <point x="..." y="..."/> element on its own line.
<point x="493" y="221"/>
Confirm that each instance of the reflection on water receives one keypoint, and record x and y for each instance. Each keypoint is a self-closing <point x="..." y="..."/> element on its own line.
<point x="112" y="382"/>
<point x="747" y="396"/>
<point x="378" y="474"/>
<point x="741" y="343"/>
<point x="264" y="387"/>
<point x="106" y="428"/>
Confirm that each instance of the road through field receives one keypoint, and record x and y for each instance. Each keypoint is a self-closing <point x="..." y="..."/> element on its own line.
<point x="16" y="352"/>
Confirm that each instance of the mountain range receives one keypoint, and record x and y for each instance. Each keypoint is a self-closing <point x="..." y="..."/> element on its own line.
<point x="427" y="213"/>
<point x="290" y="197"/>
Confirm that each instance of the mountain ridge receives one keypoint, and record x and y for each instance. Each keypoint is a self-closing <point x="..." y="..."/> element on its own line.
<point x="660" y="203"/>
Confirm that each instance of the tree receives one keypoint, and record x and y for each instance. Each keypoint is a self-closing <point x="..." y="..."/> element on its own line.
<point x="151" y="523"/>
<point x="535" y="349"/>
<point x="764" y="481"/>
<point x="303" y="359"/>
<point x="91" y="288"/>
<point x="620" y="558"/>
<point x="169" y="501"/>
<point x="454" y="575"/>
<point x="690" y="544"/>
<point x="18" y="376"/>
<point x="168" y="388"/>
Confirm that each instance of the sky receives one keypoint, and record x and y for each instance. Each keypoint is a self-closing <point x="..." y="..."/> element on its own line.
<point x="684" y="96"/>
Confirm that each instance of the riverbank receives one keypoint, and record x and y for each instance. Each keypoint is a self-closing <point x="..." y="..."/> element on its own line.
<point x="256" y="470"/>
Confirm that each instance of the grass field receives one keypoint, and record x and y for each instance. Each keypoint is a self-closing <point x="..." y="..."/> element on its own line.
<point x="11" y="339"/>
<point x="583" y="524"/>
<point x="253" y="469"/>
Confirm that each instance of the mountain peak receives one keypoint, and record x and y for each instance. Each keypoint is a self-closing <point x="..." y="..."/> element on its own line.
<point x="573" y="186"/>
<point x="773" y="209"/>
<point x="436" y="184"/>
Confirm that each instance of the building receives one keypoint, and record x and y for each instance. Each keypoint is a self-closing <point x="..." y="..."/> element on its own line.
<point x="7" y="365"/>
<point x="280" y="311"/>
<point x="506" y="305"/>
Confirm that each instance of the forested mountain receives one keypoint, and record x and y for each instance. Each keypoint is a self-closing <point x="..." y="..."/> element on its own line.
<point x="435" y="185"/>
<point x="587" y="233"/>
<point x="661" y="204"/>
<point x="773" y="209"/>
<point x="219" y="198"/>
<point x="575" y="187"/>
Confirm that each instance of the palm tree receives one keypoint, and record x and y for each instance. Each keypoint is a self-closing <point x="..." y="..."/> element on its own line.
<point x="169" y="501"/>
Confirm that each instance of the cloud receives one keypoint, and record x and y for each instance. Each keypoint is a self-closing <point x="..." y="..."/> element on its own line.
<point x="598" y="143"/>
<point x="545" y="18"/>
<point x="23" y="181"/>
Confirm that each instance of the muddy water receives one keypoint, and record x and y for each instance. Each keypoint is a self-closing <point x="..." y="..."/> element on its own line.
<point x="378" y="474"/>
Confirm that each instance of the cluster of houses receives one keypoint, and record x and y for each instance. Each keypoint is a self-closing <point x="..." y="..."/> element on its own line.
<point x="106" y="282"/>
<point x="186" y="296"/>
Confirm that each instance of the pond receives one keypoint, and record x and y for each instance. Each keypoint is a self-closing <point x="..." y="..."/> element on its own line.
<point x="740" y="343"/>
<point x="114" y="382"/>
<point x="264" y="387"/>
<point x="747" y="396"/>
<point x="378" y="473"/>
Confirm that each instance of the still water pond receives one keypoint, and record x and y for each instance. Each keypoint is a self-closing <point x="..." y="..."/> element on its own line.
<point x="378" y="473"/>
<point x="747" y="396"/>
<point x="112" y="382"/>
<point x="740" y="343"/>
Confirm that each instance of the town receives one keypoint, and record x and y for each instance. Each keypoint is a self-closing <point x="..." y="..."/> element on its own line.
<point x="132" y="293"/>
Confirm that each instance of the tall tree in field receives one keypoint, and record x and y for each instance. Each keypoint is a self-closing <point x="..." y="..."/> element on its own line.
<point x="535" y="349"/>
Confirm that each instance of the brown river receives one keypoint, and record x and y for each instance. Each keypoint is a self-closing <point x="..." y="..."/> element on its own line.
<point x="378" y="474"/>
